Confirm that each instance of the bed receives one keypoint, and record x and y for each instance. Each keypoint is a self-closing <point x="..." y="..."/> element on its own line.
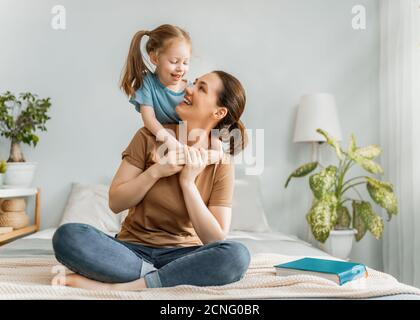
<point x="28" y="265"/>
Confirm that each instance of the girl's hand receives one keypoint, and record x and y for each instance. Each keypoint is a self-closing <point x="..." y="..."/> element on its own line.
<point x="195" y="162"/>
<point x="174" y="145"/>
<point x="170" y="164"/>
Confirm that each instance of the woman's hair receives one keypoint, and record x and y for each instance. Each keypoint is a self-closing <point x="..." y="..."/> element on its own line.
<point x="232" y="96"/>
<point x="159" y="39"/>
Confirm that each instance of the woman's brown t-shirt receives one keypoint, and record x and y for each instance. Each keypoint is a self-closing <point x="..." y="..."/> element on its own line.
<point x="161" y="219"/>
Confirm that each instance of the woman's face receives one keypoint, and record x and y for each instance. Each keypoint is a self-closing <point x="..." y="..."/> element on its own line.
<point x="200" y="102"/>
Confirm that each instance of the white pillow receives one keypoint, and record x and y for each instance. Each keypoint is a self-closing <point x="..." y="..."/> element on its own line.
<point x="88" y="203"/>
<point x="247" y="208"/>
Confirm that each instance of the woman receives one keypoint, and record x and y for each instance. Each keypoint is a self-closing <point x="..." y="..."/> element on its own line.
<point x="179" y="213"/>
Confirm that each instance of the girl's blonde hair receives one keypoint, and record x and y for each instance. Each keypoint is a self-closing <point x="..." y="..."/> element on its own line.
<point x="135" y="69"/>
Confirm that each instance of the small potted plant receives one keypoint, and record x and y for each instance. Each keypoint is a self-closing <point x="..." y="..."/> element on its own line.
<point x="3" y="168"/>
<point x="330" y="220"/>
<point x="20" y="117"/>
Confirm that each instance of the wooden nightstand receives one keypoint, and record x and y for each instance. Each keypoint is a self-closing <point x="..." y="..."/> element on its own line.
<point x="20" y="193"/>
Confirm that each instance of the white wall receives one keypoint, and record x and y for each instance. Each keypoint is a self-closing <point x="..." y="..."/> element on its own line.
<point x="278" y="49"/>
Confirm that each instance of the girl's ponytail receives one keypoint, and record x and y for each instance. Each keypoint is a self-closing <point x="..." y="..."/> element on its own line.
<point x="134" y="69"/>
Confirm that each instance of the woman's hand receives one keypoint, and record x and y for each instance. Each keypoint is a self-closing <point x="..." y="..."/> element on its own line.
<point x="195" y="162"/>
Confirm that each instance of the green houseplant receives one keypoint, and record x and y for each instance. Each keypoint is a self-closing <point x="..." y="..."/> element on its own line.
<point x="330" y="190"/>
<point x="20" y="117"/>
<point x="3" y="169"/>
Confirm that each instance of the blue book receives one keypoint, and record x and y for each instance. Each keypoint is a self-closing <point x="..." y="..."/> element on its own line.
<point x="338" y="271"/>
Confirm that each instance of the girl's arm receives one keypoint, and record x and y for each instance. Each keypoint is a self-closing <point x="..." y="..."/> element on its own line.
<point x="215" y="154"/>
<point x="131" y="184"/>
<point x="151" y="123"/>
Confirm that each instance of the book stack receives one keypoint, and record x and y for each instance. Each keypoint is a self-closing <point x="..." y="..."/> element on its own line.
<point x="338" y="271"/>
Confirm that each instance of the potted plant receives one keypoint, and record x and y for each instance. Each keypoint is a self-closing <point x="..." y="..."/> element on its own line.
<point x="3" y="169"/>
<point x="20" y="117"/>
<point x="329" y="218"/>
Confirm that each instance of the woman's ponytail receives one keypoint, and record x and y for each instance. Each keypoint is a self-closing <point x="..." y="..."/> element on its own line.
<point x="135" y="69"/>
<point x="238" y="138"/>
<point x="232" y="96"/>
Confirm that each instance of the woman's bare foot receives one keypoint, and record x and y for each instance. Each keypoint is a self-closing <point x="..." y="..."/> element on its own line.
<point x="135" y="285"/>
<point x="77" y="281"/>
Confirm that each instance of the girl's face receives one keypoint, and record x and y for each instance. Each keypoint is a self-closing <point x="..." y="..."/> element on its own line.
<point x="200" y="102"/>
<point x="172" y="64"/>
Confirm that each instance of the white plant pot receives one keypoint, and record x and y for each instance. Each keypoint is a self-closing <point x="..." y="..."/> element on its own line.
<point x="19" y="174"/>
<point x="339" y="243"/>
<point x="1" y="179"/>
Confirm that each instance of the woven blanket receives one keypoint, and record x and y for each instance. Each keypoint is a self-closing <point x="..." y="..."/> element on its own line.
<point x="30" y="278"/>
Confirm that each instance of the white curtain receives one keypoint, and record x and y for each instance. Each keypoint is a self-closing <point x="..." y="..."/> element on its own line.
<point x="400" y="133"/>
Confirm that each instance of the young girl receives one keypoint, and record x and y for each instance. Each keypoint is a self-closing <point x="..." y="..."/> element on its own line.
<point x="156" y="94"/>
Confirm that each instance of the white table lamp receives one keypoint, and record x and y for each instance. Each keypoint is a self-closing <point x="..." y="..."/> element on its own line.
<point x="316" y="111"/>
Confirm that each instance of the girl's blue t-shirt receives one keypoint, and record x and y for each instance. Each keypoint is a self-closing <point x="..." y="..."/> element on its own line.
<point x="163" y="100"/>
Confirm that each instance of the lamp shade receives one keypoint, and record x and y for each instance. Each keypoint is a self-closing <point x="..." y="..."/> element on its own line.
<point x="316" y="111"/>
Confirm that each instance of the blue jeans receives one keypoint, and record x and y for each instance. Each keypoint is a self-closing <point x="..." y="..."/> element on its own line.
<point x="98" y="256"/>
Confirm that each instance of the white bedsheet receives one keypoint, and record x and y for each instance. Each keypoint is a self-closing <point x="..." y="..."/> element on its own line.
<point x="43" y="234"/>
